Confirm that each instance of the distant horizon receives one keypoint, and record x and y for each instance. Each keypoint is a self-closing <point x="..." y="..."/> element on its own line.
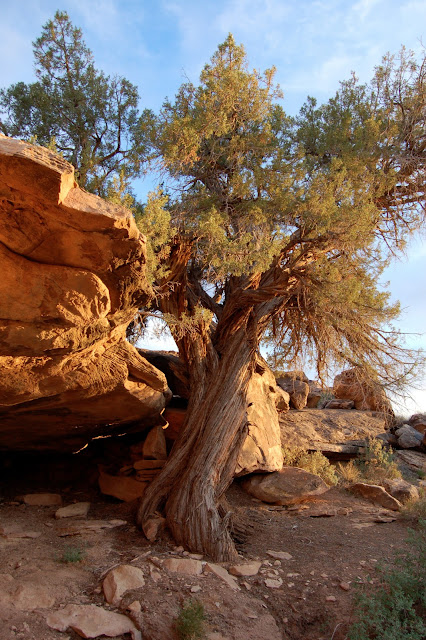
<point x="313" y="43"/>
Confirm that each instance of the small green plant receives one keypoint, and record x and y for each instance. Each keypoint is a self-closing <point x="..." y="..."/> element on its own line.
<point x="396" y="608"/>
<point x="190" y="622"/>
<point x="314" y="462"/>
<point x="72" y="554"/>
<point x="377" y="463"/>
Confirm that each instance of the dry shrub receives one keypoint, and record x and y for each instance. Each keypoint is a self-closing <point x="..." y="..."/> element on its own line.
<point x="416" y="509"/>
<point x="348" y="472"/>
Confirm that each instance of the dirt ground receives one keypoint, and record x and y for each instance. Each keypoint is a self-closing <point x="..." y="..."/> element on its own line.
<point x="334" y="544"/>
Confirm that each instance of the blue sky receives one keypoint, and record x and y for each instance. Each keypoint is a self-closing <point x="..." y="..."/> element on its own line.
<point x="157" y="44"/>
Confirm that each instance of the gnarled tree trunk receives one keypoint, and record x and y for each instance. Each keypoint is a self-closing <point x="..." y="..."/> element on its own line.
<point x="203" y="459"/>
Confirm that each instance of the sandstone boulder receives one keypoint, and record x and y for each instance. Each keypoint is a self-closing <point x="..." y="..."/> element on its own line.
<point x="366" y="394"/>
<point x="155" y="444"/>
<point x="408" y="437"/>
<point x="297" y="390"/>
<point x="289" y="486"/>
<point x="401" y="490"/>
<point x="413" y="459"/>
<point x="262" y="448"/>
<point x="73" y="275"/>
<point x="418" y="421"/>
<point x="375" y="494"/>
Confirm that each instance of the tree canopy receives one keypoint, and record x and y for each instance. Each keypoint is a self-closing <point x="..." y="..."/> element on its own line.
<point x="88" y="117"/>
<point x="293" y="218"/>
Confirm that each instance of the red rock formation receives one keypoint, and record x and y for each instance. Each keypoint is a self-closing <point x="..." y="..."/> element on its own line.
<point x="366" y="394"/>
<point x="72" y="275"/>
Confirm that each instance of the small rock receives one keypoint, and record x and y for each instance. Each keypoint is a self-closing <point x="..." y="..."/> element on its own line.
<point x="331" y="598"/>
<point x="120" y="580"/>
<point x="78" y="509"/>
<point x="243" y="570"/>
<point x="135" y="607"/>
<point x="280" y="555"/>
<point x="195" y="589"/>
<point x="184" y="565"/>
<point x="273" y="583"/>
<point x="345" y="586"/>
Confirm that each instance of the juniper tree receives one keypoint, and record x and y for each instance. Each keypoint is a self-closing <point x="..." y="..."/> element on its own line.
<point x="74" y="108"/>
<point x="278" y="226"/>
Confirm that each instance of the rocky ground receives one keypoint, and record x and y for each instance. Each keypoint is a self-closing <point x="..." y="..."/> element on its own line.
<point x="304" y="564"/>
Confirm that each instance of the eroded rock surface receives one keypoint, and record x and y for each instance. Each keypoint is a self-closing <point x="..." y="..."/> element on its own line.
<point x="72" y="277"/>
<point x="308" y="428"/>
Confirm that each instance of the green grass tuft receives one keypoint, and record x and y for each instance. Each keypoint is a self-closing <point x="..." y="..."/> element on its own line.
<point x="72" y="554"/>
<point x="190" y="622"/>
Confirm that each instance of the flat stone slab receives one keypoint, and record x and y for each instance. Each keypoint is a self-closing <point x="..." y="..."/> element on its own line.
<point x="76" y="510"/>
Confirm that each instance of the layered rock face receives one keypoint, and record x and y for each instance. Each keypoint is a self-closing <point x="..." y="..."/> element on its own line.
<point x="72" y="276"/>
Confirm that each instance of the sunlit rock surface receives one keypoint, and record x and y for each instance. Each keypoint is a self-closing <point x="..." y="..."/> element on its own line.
<point x="72" y="275"/>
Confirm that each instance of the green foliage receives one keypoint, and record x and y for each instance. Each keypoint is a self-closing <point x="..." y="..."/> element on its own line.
<point x="190" y="622"/>
<point x="72" y="554"/>
<point x="314" y="462"/>
<point x="155" y="222"/>
<point x="377" y="463"/>
<point x="88" y="117"/>
<point x="396" y="608"/>
<point x="285" y="218"/>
